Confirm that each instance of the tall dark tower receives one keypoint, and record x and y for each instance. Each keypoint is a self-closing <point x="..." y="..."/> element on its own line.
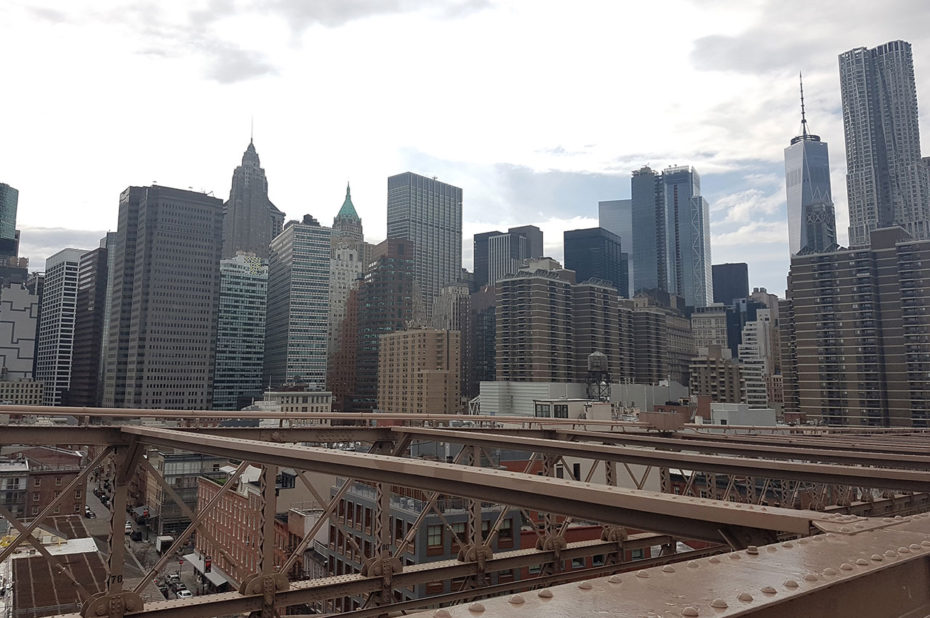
<point x="250" y="220"/>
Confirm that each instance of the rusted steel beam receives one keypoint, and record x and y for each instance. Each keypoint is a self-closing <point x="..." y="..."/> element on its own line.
<point x="684" y="517"/>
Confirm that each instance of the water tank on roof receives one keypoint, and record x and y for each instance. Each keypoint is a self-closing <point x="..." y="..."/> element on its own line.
<point x="597" y="361"/>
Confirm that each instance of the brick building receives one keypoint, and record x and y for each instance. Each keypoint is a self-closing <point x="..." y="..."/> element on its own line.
<point x="419" y="372"/>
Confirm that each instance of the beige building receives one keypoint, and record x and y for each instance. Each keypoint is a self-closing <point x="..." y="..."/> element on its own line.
<point x="418" y="372"/>
<point x="23" y="392"/>
<point x="713" y="373"/>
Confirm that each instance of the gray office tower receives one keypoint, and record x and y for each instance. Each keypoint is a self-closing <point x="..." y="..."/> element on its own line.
<point x="297" y="324"/>
<point x="668" y="207"/>
<point x="595" y="253"/>
<point x="886" y="179"/>
<point x="497" y="254"/>
<point x="163" y="300"/>
<point x="811" y="220"/>
<point x="250" y="220"/>
<point x="9" y="237"/>
<point x="480" y="257"/>
<point x="617" y="216"/>
<point x="429" y="214"/>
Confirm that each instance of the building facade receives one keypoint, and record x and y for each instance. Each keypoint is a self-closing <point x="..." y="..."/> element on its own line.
<point x="165" y="286"/>
<point x="617" y="216"/>
<point x="419" y="372"/>
<point x="886" y="180"/>
<point x="596" y="253"/>
<point x="427" y="213"/>
<point x="859" y="350"/>
<point x="297" y="324"/>
<point x="345" y="272"/>
<point x="55" y="345"/>
<point x="714" y="374"/>
<point x="19" y="313"/>
<point x="240" y="331"/>
<point x="731" y="281"/>
<point x="86" y="384"/>
<point x="250" y="220"/>
<point x="347" y="225"/>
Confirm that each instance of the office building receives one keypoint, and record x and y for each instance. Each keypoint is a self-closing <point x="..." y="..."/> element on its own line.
<point x="595" y="253"/>
<point x="419" y="372"/>
<point x="709" y="326"/>
<point x="240" y="332"/>
<point x="55" y="344"/>
<point x="714" y="374"/>
<point x="19" y="312"/>
<point x="534" y="324"/>
<point x="731" y="281"/>
<point x="533" y="237"/>
<point x="428" y="213"/>
<point x="481" y="256"/>
<point x="346" y="268"/>
<point x="663" y="344"/>
<point x="859" y="351"/>
<point x="886" y="179"/>
<point x="86" y="384"/>
<point x="498" y="254"/>
<point x="669" y="208"/>
<point x="9" y="235"/>
<point x="163" y="300"/>
<point x="617" y="216"/>
<point x="250" y="220"/>
<point x="297" y="323"/>
<point x="811" y="219"/>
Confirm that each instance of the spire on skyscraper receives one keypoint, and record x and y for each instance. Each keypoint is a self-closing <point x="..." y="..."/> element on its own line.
<point x="348" y="208"/>
<point x="803" y="115"/>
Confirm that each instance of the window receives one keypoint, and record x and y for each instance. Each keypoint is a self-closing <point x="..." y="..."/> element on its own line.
<point x="561" y="410"/>
<point x="597" y="560"/>
<point x="577" y="563"/>
<point x="57" y="481"/>
<point x="542" y="410"/>
<point x="35" y="497"/>
<point x="637" y="554"/>
<point x="37" y="482"/>
<point x="433" y="536"/>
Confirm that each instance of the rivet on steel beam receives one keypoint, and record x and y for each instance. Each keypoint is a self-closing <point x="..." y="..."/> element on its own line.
<point x="442" y="613"/>
<point x="719" y="604"/>
<point x="585" y="585"/>
<point x="768" y="590"/>
<point x="545" y="593"/>
<point x="862" y="562"/>
<point x="888" y="519"/>
<point x="803" y="541"/>
<point x="693" y="564"/>
<point x="734" y="557"/>
<point x="787" y="544"/>
<point x="829" y="571"/>
<point x="790" y="583"/>
<point x="818" y="539"/>
<point x="925" y="543"/>
<point x="745" y="597"/>
<point x="846" y="566"/>
<point x="516" y="600"/>
<point x="642" y="573"/>
<point x="898" y="517"/>
<point x="914" y="547"/>
<point x="668" y="569"/>
<point x="690" y="611"/>
<point x="614" y="579"/>
<point x="476" y="608"/>
<point x="713" y="560"/>
<point x="891" y="553"/>
<point x="903" y="550"/>
<point x="810" y="577"/>
<point x="752" y="550"/>
<point x="844" y="529"/>
<point x="877" y="558"/>
<point x="771" y="548"/>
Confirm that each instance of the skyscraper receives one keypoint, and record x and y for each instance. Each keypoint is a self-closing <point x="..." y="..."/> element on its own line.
<point x="86" y="385"/>
<point x="297" y="326"/>
<point x="595" y="253"/>
<point x="481" y="257"/>
<point x="811" y="220"/>
<point x="428" y="213"/>
<point x="534" y="240"/>
<point x="56" y="326"/>
<point x="505" y="254"/>
<point x="669" y="208"/>
<point x="240" y="331"/>
<point x="163" y="299"/>
<point x="731" y="281"/>
<point x="886" y="180"/>
<point x="9" y="237"/>
<point x="347" y="225"/>
<point x="617" y="216"/>
<point x="250" y="220"/>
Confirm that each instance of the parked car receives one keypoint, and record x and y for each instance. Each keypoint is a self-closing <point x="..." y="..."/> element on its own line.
<point x="184" y="594"/>
<point x="88" y="513"/>
<point x="128" y="528"/>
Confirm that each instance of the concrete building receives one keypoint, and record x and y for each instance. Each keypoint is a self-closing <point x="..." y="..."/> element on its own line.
<point x="240" y="331"/>
<point x="595" y="311"/>
<point x="811" y="218"/>
<point x="518" y="398"/>
<point x="346" y="268"/>
<point x="419" y="372"/>
<point x="669" y="208"/>
<point x="663" y="345"/>
<point x="886" y="179"/>
<point x="714" y="374"/>
<point x="480" y="257"/>
<point x="50" y="471"/>
<point x="297" y="323"/>
<point x="86" y="383"/>
<point x="860" y="350"/>
<point x="709" y="326"/>
<point x="14" y="483"/>
<point x="731" y="281"/>
<point x="55" y="344"/>
<point x="180" y="470"/>
<point x="617" y="216"/>
<point x="22" y="392"/>
<point x="19" y="312"/>
<point x="534" y="324"/>
<point x="428" y="213"/>
<point x="596" y="253"/>
<point x="165" y="285"/>
<point x="250" y="220"/>
<point x="758" y="355"/>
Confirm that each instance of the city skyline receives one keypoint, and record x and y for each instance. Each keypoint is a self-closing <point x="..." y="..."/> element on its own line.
<point x="542" y="151"/>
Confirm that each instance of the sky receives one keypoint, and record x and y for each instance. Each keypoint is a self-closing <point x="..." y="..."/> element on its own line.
<point x="538" y="109"/>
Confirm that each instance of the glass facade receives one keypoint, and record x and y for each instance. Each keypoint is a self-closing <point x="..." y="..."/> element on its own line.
<point x="811" y="220"/>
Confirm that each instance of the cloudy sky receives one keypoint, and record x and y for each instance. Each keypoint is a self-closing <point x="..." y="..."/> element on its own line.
<point x="536" y="108"/>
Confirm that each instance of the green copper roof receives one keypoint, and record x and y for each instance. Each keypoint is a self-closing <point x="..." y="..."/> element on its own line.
<point x="348" y="209"/>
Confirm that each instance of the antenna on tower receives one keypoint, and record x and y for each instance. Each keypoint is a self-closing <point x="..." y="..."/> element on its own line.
<point x="803" y="115"/>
